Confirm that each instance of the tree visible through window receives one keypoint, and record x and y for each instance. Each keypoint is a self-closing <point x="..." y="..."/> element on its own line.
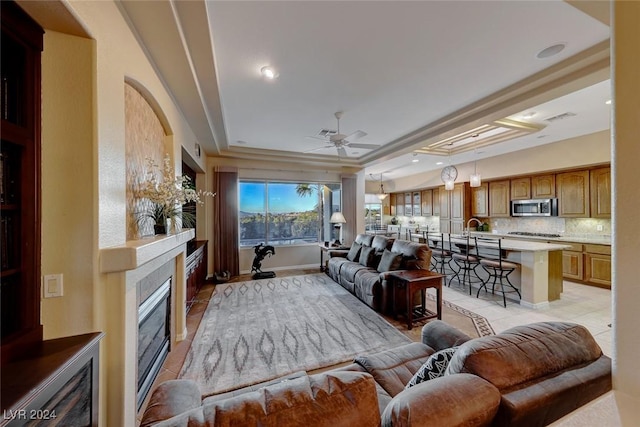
<point x="281" y="213"/>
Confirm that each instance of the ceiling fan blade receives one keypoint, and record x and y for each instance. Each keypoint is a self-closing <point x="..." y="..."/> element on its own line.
<point x="318" y="149"/>
<point x="355" y="135"/>
<point x="365" y="146"/>
<point x="318" y="138"/>
<point x="342" y="152"/>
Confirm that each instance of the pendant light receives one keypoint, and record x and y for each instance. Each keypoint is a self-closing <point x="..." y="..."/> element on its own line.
<point x="475" y="180"/>
<point x="451" y="172"/>
<point x="382" y="195"/>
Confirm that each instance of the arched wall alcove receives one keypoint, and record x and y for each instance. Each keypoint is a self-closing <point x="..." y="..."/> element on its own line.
<point x="147" y="137"/>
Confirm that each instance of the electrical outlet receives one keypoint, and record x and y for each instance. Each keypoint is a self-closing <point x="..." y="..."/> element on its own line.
<point x="599" y="227"/>
<point x="52" y="286"/>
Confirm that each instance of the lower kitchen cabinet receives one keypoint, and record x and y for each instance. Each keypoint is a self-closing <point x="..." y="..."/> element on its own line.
<point x="588" y="263"/>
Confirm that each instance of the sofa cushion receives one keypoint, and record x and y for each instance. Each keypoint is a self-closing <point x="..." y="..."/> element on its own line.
<point x="354" y="252"/>
<point x="364" y="239"/>
<point x="458" y="400"/>
<point x="367" y="256"/>
<point x="169" y="399"/>
<point x="525" y="353"/>
<point x="390" y="261"/>
<point x="434" y="367"/>
<point x="348" y="272"/>
<point x="327" y="399"/>
<point x="392" y="369"/>
<point x="416" y="255"/>
<point x="380" y="243"/>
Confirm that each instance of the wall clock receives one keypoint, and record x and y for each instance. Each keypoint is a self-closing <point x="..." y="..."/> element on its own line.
<point x="449" y="173"/>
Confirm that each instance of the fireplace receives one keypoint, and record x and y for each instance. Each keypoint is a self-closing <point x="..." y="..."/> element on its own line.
<point x="154" y="326"/>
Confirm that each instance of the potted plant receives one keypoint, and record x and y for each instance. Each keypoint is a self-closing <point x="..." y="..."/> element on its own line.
<point x="166" y="197"/>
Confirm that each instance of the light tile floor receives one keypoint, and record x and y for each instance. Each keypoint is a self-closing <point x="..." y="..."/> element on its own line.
<point x="586" y="305"/>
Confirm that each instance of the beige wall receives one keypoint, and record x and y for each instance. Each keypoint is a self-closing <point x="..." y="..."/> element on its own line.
<point x="68" y="191"/>
<point x="626" y="204"/>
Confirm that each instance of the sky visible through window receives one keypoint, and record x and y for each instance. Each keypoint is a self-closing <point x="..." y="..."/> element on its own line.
<point x="282" y="198"/>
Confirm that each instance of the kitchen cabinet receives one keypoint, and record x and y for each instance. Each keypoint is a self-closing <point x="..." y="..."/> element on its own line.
<point x="600" y="192"/>
<point x="572" y="262"/>
<point x="399" y="204"/>
<point x="521" y="188"/>
<point x="573" y="194"/>
<point x="588" y="263"/>
<point x="499" y="199"/>
<point x="436" y="201"/>
<point x="597" y="265"/>
<point x="455" y="208"/>
<point x="392" y="204"/>
<point x="408" y="204"/>
<point x="543" y="186"/>
<point x="416" y="204"/>
<point x="426" y="200"/>
<point x="480" y="201"/>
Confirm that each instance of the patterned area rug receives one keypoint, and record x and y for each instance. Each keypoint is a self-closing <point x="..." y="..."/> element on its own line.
<point x="258" y="330"/>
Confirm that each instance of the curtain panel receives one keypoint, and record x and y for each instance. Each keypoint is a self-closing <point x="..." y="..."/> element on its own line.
<point x="226" y="244"/>
<point x="349" y="208"/>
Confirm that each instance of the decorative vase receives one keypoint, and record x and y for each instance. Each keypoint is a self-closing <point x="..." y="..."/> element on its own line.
<point x="160" y="228"/>
<point x="173" y="225"/>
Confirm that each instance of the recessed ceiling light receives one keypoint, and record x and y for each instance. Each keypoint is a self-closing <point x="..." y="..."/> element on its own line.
<point x="550" y="51"/>
<point x="268" y="72"/>
<point x="415" y="160"/>
<point x="439" y="163"/>
<point x="608" y="102"/>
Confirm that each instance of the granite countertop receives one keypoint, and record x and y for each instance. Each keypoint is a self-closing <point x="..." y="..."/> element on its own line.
<point x="594" y="239"/>
<point x="511" y="244"/>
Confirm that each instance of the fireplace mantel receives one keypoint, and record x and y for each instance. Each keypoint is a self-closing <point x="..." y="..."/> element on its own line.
<point x="135" y="253"/>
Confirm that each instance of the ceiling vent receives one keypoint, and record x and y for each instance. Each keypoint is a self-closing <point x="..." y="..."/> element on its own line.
<point x="327" y="133"/>
<point x="560" y="117"/>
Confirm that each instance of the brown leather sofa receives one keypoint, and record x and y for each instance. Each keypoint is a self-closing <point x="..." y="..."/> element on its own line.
<point x="530" y="375"/>
<point x="364" y="279"/>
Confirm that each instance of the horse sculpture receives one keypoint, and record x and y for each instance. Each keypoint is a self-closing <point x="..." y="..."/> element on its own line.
<point x="262" y="252"/>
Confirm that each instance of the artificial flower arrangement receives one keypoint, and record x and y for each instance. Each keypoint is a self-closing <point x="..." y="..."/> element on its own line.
<point x="167" y="197"/>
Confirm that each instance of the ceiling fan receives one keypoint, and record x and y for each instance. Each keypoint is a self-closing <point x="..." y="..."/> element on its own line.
<point x="341" y="141"/>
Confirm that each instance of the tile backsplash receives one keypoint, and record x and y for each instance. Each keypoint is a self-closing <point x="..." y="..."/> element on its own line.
<point x="575" y="227"/>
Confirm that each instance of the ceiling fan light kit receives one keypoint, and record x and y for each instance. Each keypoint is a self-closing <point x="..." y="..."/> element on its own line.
<point x="269" y="73"/>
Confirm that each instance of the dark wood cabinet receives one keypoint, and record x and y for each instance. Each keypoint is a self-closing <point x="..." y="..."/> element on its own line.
<point x="196" y="270"/>
<point x="56" y="383"/>
<point x="20" y="182"/>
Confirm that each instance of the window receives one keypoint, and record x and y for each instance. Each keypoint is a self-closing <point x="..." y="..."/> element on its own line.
<point x="373" y="217"/>
<point x="285" y="213"/>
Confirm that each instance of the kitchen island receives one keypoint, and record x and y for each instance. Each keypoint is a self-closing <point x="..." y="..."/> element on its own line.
<point x="539" y="276"/>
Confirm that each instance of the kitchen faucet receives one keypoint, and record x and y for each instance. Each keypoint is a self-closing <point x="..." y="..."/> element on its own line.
<point x="469" y="224"/>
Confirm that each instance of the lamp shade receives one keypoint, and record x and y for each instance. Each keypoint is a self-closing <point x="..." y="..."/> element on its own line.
<point x="448" y="185"/>
<point x="475" y="180"/>
<point x="337" y="218"/>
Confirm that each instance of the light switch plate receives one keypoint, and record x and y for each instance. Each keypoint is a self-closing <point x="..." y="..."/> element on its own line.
<point x="52" y="285"/>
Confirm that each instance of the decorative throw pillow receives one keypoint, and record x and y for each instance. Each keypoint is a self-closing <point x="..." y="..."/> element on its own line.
<point x="354" y="252"/>
<point x="366" y="256"/>
<point x="434" y="367"/>
<point x="390" y="261"/>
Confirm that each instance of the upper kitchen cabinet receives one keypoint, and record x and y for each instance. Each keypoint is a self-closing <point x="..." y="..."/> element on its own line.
<point x="417" y="208"/>
<point x="499" y="199"/>
<point x="521" y="188"/>
<point x="436" y="201"/>
<point x="600" y="192"/>
<point x="480" y="200"/>
<point x="392" y="204"/>
<point x="455" y="208"/>
<point x="426" y="199"/>
<point x="543" y="186"/>
<point x="408" y="204"/>
<point x="573" y="194"/>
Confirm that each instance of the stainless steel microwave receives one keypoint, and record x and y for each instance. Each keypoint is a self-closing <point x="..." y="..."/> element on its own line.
<point x="534" y="207"/>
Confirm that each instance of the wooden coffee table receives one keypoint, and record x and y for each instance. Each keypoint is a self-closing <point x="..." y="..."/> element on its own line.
<point x="411" y="281"/>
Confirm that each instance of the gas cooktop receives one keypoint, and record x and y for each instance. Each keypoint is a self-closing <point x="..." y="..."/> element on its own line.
<point x="528" y="233"/>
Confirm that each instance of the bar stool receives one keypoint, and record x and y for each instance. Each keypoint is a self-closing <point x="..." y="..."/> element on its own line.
<point x="440" y="256"/>
<point x="467" y="262"/>
<point x="499" y="269"/>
